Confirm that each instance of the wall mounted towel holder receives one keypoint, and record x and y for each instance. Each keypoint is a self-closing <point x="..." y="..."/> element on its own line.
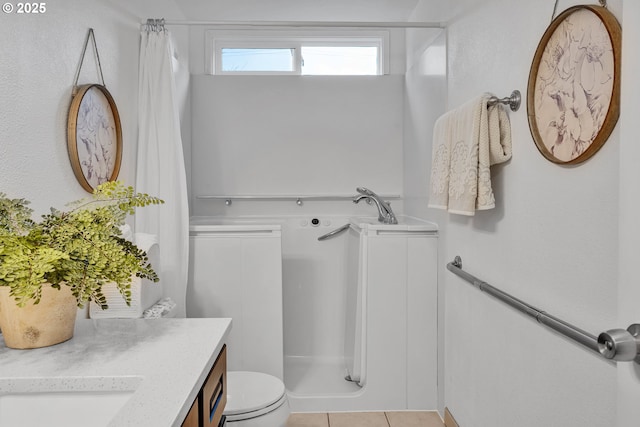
<point x="512" y="101"/>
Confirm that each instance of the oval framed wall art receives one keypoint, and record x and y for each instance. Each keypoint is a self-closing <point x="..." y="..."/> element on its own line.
<point x="94" y="136"/>
<point x="573" y="94"/>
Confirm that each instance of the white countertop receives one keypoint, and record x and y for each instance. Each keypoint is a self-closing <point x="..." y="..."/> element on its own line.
<point x="165" y="360"/>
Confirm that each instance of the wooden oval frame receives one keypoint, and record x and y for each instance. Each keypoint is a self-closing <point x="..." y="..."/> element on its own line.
<point x="615" y="36"/>
<point x="72" y="127"/>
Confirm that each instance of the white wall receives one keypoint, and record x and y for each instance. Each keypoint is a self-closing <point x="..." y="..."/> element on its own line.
<point x="551" y="240"/>
<point x="40" y="55"/>
<point x="628" y="391"/>
<point x="39" y="58"/>
<point x="298" y="10"/>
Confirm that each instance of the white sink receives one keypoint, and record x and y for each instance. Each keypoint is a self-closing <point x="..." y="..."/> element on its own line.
<point x="77" y="407"/>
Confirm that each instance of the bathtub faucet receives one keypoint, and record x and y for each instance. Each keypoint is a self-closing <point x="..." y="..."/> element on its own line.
<point x="385" y="214"/>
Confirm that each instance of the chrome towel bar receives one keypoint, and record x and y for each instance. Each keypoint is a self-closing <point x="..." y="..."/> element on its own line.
<point x="616" y="344"/>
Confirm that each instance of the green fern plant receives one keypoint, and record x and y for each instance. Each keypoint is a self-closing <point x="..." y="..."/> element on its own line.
<point x="82" y="247"/>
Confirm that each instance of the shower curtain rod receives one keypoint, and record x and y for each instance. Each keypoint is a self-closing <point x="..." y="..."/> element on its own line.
<point x="334" y="24"/>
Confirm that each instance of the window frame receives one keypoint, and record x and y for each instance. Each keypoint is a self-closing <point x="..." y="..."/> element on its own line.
<point x="216" y="40"/>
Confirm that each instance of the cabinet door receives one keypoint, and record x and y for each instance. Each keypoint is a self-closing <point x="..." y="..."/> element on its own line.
<point x="192" y="419"/>
<point x="214" y="392"/>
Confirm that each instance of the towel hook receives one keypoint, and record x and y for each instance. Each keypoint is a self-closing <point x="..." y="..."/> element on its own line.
<point x="512" y="101"/>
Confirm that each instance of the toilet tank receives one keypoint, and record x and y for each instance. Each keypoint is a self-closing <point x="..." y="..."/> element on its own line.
<point x="235" y="270"/>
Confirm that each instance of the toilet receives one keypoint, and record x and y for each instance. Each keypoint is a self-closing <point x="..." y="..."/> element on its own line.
<point x="255" y="399"/>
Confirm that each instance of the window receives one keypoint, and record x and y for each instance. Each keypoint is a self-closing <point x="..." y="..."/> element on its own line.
<point x="340" y="60"/>
<point x="278" y="53"/>
<point x="239" y="59"/>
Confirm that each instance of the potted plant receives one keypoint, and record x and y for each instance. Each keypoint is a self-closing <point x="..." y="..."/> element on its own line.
<point x="67" y="255"/>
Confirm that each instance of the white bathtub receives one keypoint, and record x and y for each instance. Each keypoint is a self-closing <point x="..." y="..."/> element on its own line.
<point x="316" y="277"/>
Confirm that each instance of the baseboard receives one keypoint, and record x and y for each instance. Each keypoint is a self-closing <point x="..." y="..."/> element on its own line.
<point x="449" y="421"/>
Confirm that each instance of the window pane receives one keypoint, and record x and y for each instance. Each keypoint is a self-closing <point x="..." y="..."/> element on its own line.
<point x="260" y="59"/>
<point x="340" y="60"/>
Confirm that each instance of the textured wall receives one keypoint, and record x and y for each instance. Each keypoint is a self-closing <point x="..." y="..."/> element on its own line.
<point x="552" y="241"/>
<point x="39" y="56"/>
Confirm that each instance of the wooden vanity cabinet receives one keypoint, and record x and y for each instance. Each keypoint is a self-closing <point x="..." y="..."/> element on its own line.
<point x="208" y="407"/>
<point x="214" y="392"/>
<point x="193" y="417"/>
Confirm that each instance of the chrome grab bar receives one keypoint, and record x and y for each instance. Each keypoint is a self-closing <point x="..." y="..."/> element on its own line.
<point x="334" y="232"/>
<point x="228" y="200"/>
<point x="616" y="344"/>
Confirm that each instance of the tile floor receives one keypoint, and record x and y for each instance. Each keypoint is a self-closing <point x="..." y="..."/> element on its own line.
<point x="366" y="419"/>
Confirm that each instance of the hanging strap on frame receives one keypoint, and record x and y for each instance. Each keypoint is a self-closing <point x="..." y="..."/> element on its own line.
<point x="91" y="36"/>
<point x="603" y="3"/>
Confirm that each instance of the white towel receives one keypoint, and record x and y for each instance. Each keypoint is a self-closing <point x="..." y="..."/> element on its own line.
<point x="466" y="142"/>
<point x="163" y="308"/>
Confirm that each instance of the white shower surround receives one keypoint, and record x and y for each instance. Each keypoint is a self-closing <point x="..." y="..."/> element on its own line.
<point x="293" y="135"/>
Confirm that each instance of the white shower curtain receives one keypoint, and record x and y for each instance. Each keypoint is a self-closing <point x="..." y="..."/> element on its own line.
<point x="160" y="165"/>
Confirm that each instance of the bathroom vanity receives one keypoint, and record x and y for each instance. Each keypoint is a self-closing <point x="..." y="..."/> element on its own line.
<point x="117" y="372"/>
<point x="208" y="407"/>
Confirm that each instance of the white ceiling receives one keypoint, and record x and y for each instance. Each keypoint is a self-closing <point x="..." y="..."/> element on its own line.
<point x="297" y="10"/>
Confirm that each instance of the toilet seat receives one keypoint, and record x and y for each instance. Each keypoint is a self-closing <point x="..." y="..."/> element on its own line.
<point x="251" y="394"/>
